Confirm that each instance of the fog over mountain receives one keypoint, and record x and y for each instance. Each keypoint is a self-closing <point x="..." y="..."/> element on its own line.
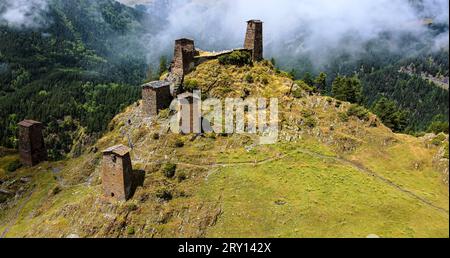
<point x="23" y="13"/>
<point x="316" y="29"/>
<point x="312" y="28"/>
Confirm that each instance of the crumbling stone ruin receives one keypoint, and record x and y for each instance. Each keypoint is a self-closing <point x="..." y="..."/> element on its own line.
<point x="254" y="39"/>
<point x="117" y="173"/>
<point x="31" y="143"/>
<point x="183" y="58"/>
<point x="190" y="113"/>
<point x="156" y="96"/>
<point x="159" y="94"/>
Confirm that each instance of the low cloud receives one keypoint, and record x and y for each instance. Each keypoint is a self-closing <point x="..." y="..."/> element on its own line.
<point x="315" y="29"/>
<point x="3" y="67"/>
<point x="23" y="13"/>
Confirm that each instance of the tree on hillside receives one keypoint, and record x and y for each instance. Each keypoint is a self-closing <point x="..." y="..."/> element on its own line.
<point x="438" y="125"/>
<point x="321" y="82"/>
<point x="390" y="114"/>
<point x="308" y="79"/>
<point x="292" y="74"/>
<point x="347" y="89"/>
<point x="11" y="130"/>
<point x="273" y="61"/>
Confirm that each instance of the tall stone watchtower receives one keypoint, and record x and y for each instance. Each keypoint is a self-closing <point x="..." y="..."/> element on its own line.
<point x="183" y="57"/>
<point x="117" y="173"/>
<point x="190" y="113"/>
<point x="31" y="143"/>
<point x="254" y="39"/>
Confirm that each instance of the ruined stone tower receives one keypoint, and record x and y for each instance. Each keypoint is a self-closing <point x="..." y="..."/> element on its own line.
<point x="156" y="96"/>
<point x="190" y="113"/>
<point x="183" y="57"/>
<point x="31" y="143"/>
<point x="117" y="173"/>
<point x="254" y="39"/>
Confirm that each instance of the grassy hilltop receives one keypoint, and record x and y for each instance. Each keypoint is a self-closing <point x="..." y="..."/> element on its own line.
<point x="336" y="171"/>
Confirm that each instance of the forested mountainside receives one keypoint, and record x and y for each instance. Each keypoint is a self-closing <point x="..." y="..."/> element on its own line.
<point x="70" y="73"/>
<point x="85" y="63"/>
<point x="417" y="84"/>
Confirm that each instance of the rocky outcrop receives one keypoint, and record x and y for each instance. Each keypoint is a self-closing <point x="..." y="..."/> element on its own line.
<point x="441" y="161"/>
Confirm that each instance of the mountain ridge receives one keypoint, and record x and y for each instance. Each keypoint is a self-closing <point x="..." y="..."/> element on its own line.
<point x="328" y="176"/>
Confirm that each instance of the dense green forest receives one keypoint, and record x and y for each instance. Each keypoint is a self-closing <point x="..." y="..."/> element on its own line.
<point x="70" y="74"/>
<point x="383" y="76"/>
<point x="420" y="98"/>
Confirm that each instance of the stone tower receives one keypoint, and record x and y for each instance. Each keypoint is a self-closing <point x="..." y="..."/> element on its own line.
<point x="254" y="39"/>
<point x="190" y="113"/>
<point x="156" y="96"/>
<point x="31" y="143"/>
<point x="117" y="173"/>
<point x="183" y="57"/>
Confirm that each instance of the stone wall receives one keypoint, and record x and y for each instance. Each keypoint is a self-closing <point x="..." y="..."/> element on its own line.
<point x="198" y="60"/>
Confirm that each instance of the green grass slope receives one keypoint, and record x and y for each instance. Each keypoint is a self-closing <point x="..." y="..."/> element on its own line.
<point x="310" y="195"/>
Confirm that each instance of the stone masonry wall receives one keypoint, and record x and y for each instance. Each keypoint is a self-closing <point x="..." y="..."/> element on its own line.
<point x="149" y="101"/>
<point x="163" y="97"/>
